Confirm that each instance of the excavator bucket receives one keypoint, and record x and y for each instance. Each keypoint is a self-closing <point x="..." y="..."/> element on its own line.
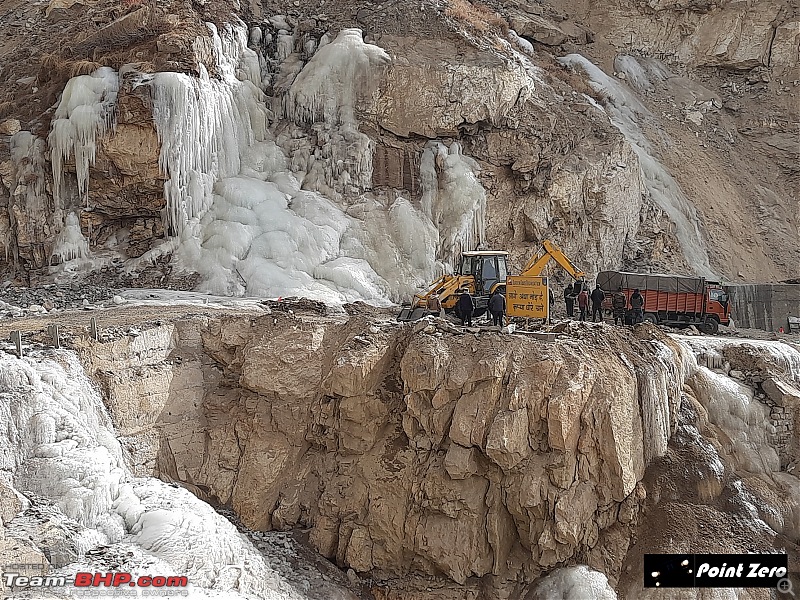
<point x="411" y="314"/>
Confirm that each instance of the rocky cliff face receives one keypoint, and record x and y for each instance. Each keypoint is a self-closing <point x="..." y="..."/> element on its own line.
<point x="702" y="169"/>
<point x="421" y="456"/>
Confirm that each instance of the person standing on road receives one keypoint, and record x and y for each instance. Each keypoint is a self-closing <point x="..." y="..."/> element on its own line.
<point x="637" y="302"/>
<point x="435" y="305"/>
<point x="583" y="304"/>
<point x="497" y="306"/>
<point x="466" y="306"/>
<point x="618" y="303"/>
<point x="569" y="300"/>
<point x="597" y="303"/>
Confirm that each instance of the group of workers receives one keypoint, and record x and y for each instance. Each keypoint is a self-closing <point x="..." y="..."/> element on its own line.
<point x="579" y="293"/>
<point x="573" y="293"/>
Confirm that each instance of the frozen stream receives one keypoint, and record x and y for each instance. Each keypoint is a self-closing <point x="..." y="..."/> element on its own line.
<point x="57" y="446"/>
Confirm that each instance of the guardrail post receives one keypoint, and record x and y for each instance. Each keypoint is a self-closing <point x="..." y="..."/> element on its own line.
<point x="54" y="333"/>
<point x="16" y="338"/>
<point x="93" y="329"/>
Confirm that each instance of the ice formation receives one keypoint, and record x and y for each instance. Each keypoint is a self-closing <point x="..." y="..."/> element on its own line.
<point x="86" y="109"/>
<point x="205" y="124"/>
<point x="27" y="178"/>
<point x="452" y="198"/>
<point x="746" y="423"/>
<point x="57" y="442"/>
<point x="732" y="407"/>
<point x="324" y="95"/>
<point x="327" y="89"/>
<point x="659" y="394"/>
<point x="261" y="213"/>
<point x="70" y="242"/>
<point x="628" y="114"/>
<point x="573" y="583"/>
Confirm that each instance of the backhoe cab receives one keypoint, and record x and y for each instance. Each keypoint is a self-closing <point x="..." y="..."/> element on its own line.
<point x="481" y="272"/>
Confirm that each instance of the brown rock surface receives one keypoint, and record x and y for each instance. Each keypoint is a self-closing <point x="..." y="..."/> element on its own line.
<point x="409" y="452"/>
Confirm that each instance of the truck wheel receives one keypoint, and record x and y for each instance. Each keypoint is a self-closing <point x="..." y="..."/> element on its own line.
<point x="709" y="326"/>
<point x="650" y="318"/>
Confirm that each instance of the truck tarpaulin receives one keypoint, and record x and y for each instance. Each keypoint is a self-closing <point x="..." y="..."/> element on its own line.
<point x="610" y="281"/>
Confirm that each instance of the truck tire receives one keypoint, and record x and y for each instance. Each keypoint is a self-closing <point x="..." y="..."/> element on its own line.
<point x="650" y="318"/>
<point x="709" y="326"/>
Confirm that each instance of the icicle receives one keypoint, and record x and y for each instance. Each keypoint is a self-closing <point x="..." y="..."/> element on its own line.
<point x="86" y="109"/>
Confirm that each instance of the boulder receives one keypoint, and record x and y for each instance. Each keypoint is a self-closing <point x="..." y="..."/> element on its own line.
<point x="780" y="392"/>
<point x="538" y="29"/>
<point x="61" y="10"/>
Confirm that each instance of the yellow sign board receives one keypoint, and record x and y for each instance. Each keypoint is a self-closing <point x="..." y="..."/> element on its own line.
<point x="527" y="297"/>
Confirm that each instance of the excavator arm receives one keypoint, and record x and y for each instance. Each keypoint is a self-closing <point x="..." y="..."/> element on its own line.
<point x="446" y="287"/>
<point x="537" y="263"/>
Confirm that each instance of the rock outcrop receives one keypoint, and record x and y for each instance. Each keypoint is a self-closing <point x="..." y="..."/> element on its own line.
<point x="406" y="452"/>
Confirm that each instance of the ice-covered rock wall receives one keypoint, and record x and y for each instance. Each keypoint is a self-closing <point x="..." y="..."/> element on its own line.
<point x="260" y="210"/>
<point x="58" y="446"/>
<point x="268" y="206"/>
<point x="629" y="116"/>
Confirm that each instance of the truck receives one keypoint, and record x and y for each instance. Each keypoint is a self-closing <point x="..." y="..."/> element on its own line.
<point x="672" y="300"/>
<point x="484" y="272"/>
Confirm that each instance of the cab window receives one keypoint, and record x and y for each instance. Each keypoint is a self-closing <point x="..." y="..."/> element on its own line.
<point x="718" y="295"/>
<point x="466" y="265"/>
<point x="502" y="273"/>
<point x="489" y="269"/>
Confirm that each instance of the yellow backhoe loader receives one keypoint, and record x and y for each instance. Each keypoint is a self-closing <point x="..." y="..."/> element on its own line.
<point x="483" y="272"/>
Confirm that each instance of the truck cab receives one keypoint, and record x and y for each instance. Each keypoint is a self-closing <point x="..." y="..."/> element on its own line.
<point x="717" y="303"/>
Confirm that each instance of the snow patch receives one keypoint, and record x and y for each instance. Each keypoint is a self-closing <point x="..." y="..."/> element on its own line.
<point x="574" y="583"/>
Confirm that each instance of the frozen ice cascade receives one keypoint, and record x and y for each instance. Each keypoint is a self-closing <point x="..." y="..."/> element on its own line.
<point x="452" y="198"/>
<point x="262" y="207"/>
<point x="731" y="406"/>
<point x="70" y="242"/>
<point x="57" y="443"/>
<point x="627" y="113"/>
<point x="261" y="213"/>
<point x="86" y="109"/>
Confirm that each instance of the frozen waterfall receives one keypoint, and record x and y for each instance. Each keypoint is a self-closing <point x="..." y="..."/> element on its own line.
<point x="266" y="207"/>
<point x="57" y="443"/>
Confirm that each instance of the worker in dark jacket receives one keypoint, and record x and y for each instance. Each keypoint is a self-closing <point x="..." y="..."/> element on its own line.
<point x="569" y="300"/>
<point x="466" y="306"/>
<point x="637" y="302"/>
<point x="618" y="303"/>
<point x="497" y="306"/>
<point x="597" y="301"/>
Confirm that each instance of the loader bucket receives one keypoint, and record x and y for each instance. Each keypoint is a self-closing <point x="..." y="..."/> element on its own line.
<point x="411" y="314"/>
